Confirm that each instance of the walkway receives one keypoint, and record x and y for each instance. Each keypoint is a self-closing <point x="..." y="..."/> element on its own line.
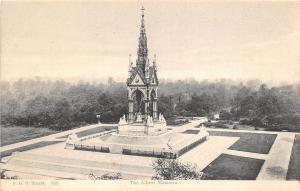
<point x="51" y="137"/>
<point x="204" y="154"/>
<point x="277" y="161"/>
<point x="246" y="154"/>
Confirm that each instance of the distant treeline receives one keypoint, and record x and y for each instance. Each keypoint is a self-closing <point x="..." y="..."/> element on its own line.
<point x="61" y="105"/>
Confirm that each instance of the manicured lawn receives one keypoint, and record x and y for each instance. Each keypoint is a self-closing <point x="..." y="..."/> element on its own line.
<point x="29" y="147"/>
<point x="249" y="142"/>
<point x="10" y="135"/>
<point x="230" y="167"/>
<point x="190" y="131"/>
<point x="65" y="136"/>
<point x="92" y="131"/>
<point x="294" y="166"/>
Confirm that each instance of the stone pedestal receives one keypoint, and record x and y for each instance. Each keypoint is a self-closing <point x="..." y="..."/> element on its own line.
<point x="142" y="129"/>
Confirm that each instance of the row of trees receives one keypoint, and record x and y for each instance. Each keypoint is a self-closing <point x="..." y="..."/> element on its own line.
<point x="196" y="105"/>
<point x="273" y="108"/>
<point x="61" y="105"/>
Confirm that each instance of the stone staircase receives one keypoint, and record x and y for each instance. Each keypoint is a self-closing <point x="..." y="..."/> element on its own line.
<point x="63" y="167"/>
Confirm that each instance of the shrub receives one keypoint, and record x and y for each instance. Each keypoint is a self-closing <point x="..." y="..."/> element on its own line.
<point x="5" y="176"/>
<point x="244" y="121"/>
<point x="220" y="125"/>
<point x="177" y="121"/>
<point x="230" y="122"/>
<point x="283" y="127"/>
<point x="107" y="176"/>
<point x="172" y="169"/>
<point x="207" y="124"/>
<point x="225" y="115"/>
<point x="256" y="122"/>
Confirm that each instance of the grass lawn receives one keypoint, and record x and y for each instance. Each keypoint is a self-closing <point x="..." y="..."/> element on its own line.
<point x="29" y="147"/>
<point x="10" y="135"/>
<point x="92" y="131"/>
<point x="190" y="131"/>
<point x="294" y="166"/>
<point x="249" y="142"/>
<point x="230" y="167"/>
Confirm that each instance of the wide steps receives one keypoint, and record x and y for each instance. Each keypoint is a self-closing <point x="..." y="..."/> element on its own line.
<point x="77" y="166"/>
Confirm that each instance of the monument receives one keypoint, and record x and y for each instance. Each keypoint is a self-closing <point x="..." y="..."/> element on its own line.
<point x="142" y="86"/>
<point x="143" y="131"/>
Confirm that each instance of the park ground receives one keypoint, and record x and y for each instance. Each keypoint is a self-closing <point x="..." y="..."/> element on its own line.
<point x="237" y="154"/>
<point x="15" y="134"/>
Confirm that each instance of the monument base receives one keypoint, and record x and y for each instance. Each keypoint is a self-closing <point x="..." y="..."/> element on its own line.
<point x="168" y="144"/>
<point x="142" y="129"/>
<point x="147" y="138"/>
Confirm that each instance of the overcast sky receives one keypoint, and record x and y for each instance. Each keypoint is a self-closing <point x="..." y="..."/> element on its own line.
<point x="191" y="40"/>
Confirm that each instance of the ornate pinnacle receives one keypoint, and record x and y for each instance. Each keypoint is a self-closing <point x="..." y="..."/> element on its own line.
<point x="154" y="62"/>
<point x="142" y="47"/>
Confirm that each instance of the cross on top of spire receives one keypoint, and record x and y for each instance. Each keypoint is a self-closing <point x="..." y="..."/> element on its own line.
<point x="143" y="9"/>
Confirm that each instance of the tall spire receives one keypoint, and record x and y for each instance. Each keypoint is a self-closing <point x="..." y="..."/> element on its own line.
<point x="142" y="51"/>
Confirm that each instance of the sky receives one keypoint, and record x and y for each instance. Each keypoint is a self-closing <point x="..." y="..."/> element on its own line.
<point x="191" y="39"/>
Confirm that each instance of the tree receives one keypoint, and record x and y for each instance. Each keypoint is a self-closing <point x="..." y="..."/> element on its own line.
<point x="225" y="115"/>
<point x="12" y="109"/>
<point x="172" y="169"/>
<point x="165" y="106"/>
<point x="62" y="115"/>
<point x="38" y="110"/>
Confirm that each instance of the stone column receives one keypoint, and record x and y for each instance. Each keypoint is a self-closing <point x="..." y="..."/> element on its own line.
<point x="130" y="111"/>
<point x="146" y="107"/>
<point x="155" y="109"/>
<point x="147" y="103"/>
